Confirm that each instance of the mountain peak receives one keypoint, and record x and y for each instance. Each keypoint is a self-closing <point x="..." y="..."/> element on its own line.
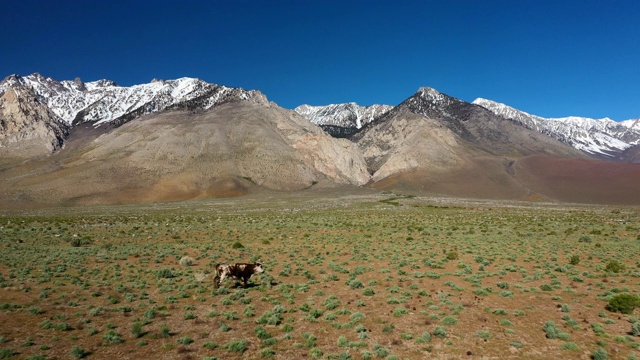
<point x="428" y="91"/>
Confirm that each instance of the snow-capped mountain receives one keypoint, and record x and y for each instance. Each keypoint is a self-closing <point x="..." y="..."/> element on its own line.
<point x="599" y="137"/>
<point x="103" y="101"/>
<point x="349" y="115"/>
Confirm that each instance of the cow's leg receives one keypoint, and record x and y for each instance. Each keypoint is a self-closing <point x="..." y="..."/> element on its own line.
<point x="221" y="277"/>
<point x="216" y="281"/>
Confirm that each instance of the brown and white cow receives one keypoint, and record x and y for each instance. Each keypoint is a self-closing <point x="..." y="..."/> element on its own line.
<point x="238" y="271"/>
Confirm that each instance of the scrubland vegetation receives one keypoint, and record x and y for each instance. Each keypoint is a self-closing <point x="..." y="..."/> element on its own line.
<point x="387" y="277"/>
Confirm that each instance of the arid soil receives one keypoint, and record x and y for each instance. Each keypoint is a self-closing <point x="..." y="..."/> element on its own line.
<point x="352" y="276"/>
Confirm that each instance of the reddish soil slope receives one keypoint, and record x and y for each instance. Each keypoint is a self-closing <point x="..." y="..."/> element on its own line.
<point x="581" y="180"/>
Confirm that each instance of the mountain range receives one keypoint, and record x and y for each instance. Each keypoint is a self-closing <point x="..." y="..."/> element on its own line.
<point x="73" y="143"/>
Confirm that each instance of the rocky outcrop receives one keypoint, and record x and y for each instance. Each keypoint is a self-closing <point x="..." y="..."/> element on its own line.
<point x="27" y="127"/>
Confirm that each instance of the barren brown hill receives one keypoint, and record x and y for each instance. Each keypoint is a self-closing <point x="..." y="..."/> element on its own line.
<point x="180" y="155"/>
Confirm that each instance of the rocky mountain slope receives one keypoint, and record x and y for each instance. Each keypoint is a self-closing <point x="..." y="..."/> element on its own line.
<point x="180" y="155"/>
<point x="599" y="138"/>
<point x="436" y="143"/>
<point x="342" y="120"/>
<point x="28" y="128"/>
<point x="603" y="138"/>
<point x="166" y="140"/>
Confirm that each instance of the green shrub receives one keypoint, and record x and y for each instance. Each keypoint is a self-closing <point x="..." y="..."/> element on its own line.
<point x="600" y="354"/>
<point x="136" y="329"/>
<point x="585" y="239"/>
<point x="614" y="266"/>
<point x="78" y="353"/>
<point x="63" y="326"/>
<point x="237" y="245"/>
<point x="210" y="345"/>
<point x="598" y="329"/>
<point x="239" y="346"/>
<point x="449" y="320"/>
<point x="165" y="274"/>
<point x="552" y="332"/>
<point x="623" y="303"/>
<point x="7" y="353"/>
<point x="574" y="260"/>
<point x="342" y="341"/>
<point x="368" y="292"/>
<point x="399" y="311"/>
<point x="310" y="339"/>
<point x="316" y="353"/>
<point x="440" y="331"/>
<point x="356" y="284"/>
<point x="164" y="331"/>
<point x="452" y="255"/>
<point x="267" y="352"/>
<point x="262" y="333"/>
<point x="112" y="337"/>
<point x="77" y="242"/>
<point x="380" y="351"/>
<point x="570" y="346"/>
<point x="635" y="329"/>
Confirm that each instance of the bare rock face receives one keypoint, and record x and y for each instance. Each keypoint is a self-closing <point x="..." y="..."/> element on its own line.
<point x="338" y="159"/>
<point x="27" y="127"/>
<point x="408" y="141"/>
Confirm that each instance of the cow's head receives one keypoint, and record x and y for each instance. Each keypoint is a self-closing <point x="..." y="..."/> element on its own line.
<point x="258" y="269"/>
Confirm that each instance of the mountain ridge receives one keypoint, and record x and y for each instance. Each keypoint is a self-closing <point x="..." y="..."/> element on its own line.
<point x="174" y="140"/>
<point x="602" y="138"/>
<point x="103" y="101"/>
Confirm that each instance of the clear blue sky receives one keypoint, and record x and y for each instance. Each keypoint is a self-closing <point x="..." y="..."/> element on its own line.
<point x="548" y="57"/>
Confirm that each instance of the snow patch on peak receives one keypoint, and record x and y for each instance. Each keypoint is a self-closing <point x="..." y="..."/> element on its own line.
<point x="347" y="115"/>
<point x="103" y="83"/>
<point x="429" y="91"/>
<point x="632" y="123"/>
<point x="603" y="137"/>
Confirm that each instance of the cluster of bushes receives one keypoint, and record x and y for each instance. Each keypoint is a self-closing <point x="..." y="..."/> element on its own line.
<point x="81" y="241"/>
<point x="623" y="303"/>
